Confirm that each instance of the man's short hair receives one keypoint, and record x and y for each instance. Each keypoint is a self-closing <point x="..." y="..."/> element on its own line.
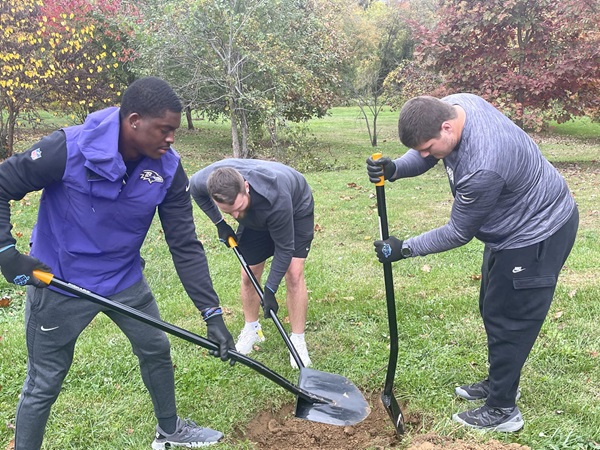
<point x="421" y="119"/>
<point x="149" y="96"/>
<point x="224" y="184"/>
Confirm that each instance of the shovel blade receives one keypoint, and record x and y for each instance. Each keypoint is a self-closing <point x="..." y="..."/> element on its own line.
<point x="347" y="406"/>
<point x="393" y="409"/>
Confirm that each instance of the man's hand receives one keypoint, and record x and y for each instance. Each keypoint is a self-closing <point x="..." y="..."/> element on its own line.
<point x="225" y="232"/>
<point x="389" y="250"/>
<point x="383" y="167"/>
<point x="269" y="302"/>
<point x="18" y="268"/>
<point x="218" y="332"/>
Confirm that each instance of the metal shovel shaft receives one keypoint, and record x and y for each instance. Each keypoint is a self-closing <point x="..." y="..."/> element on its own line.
<point x="348" y="405"/>
<point x="51" y="280"/>
<point x="261" y="294"/>
<point x="387" y="396"/>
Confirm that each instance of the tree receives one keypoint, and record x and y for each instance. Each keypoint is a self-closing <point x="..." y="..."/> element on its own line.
<point x="98" y="70"/>
<point x="257" y="63"/>
<point x="535" y="59"/>
<point x="49" y="56"/>
<point x="382" y="41"/>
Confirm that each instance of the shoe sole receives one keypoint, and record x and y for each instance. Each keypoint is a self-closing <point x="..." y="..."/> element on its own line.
<point x="507" y="427"/>
<point x="165" y="445"/>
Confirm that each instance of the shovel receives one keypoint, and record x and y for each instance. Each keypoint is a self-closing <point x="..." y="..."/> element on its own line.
<point x="339" y="411"/>
<point x="349" y="401"/>
<point x="387" y="396"/>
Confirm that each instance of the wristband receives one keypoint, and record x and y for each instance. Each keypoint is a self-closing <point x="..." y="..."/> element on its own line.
<point x="210" y="312"/>
<point x="6" y="248"/>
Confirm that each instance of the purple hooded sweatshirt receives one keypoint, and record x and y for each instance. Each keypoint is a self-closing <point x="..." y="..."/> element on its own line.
<point x="92" y="225"/>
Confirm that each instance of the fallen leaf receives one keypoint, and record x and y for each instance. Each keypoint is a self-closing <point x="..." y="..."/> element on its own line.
<point x="475" y="277"/>
<point x="5" y="302"/>
<point x="558" y="315"/>
<point x="426" y="268"/>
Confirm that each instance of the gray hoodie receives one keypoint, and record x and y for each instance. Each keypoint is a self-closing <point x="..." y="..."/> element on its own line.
<point x="506" y="194"/>
<point x="279" y="196"/>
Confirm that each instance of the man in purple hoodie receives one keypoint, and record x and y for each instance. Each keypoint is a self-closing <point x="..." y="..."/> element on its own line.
<point x="102" y="183"/>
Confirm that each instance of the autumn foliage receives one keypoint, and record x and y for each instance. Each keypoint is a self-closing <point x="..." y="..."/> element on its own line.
<point x="535" y="59"/>
<point x="65" y="53"/>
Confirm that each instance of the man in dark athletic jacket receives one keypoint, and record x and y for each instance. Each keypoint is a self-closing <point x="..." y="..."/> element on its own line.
<point x="274" y="206"/>
<point x="507" y="195"/>
<point x="102" y="184"/>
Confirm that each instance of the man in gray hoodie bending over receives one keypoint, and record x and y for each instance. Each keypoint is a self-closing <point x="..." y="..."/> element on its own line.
<point x="274" y="207"/>
<point x="507" y="195"/>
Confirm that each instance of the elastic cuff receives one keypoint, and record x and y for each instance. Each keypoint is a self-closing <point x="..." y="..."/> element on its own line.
<point x="271" y="289"/>
<point x="211" y="312"/>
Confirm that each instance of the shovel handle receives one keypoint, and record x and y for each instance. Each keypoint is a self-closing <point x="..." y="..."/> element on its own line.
<point x="390" y="401"/>
<point x="46" y="277"/>
<point x="186" y="335"/>
<point x="261" y="295"/>
<point x="375" y="157"/>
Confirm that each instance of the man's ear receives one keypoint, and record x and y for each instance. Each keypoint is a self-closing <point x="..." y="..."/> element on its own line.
<point x="447" y="127"/>
<point x="247" y="187"/>
<point x="133" y="120"/>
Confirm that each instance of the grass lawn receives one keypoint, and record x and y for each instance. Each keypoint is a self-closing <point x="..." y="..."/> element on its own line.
<point x="104" y="404"/>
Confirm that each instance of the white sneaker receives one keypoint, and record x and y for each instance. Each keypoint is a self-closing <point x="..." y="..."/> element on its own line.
<point x="300" y="346"/>
<point x="247" y="338"/>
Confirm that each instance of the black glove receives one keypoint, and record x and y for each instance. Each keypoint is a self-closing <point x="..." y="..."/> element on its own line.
<point x="269" y="303"/>
<point x="218" y="332"/>
<point x="225" y="232"/>
<point x="389" y="250"/>
<point x="18" y="268"/>
<point x="384" y="166"/>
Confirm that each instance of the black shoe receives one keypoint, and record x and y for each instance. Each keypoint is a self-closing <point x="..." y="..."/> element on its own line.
<point x="478" y="391"/>
<point x="491" y="419"/>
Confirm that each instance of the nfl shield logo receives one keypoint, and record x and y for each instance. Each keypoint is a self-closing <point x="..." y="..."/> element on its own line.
<point x="36" y="154"/>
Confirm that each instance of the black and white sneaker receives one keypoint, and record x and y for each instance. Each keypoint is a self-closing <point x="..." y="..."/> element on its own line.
<point x="491" y="419"/>
<point x="187" y="434"/>
<point x="478" y="391"/>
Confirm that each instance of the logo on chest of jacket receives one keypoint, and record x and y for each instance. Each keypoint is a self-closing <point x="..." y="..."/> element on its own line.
<point x="151" y="176"/>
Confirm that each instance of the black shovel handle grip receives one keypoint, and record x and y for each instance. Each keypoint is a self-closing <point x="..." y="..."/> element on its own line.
<point x="233" y="244"/>
<point x="51" y="280"/>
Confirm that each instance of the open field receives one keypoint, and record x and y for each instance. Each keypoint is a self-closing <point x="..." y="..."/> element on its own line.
<point x="104" y="404"/>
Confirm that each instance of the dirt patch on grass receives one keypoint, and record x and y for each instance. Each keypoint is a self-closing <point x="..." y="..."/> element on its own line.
<point x="282" y="431"/>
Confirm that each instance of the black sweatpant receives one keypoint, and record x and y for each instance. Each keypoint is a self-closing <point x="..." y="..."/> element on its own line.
<point x="53" y="323"/>
<point x="517" y="287"/>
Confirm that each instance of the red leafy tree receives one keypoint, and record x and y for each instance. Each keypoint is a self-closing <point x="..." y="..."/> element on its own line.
<point x="537" y="60"/>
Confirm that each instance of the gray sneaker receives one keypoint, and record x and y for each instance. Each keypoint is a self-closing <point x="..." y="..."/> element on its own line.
<point x="491" y="419"/>
<point x="187" y="434"/>
<point x="478" y="391"/>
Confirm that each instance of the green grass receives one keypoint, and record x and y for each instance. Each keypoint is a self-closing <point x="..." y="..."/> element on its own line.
<point x="104" y="404"/>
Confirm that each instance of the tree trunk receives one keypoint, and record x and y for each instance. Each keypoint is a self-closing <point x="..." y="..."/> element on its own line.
<point x="188" y="116"/>
<point x="235" y="140"/>
<point x="245" y="133"/>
